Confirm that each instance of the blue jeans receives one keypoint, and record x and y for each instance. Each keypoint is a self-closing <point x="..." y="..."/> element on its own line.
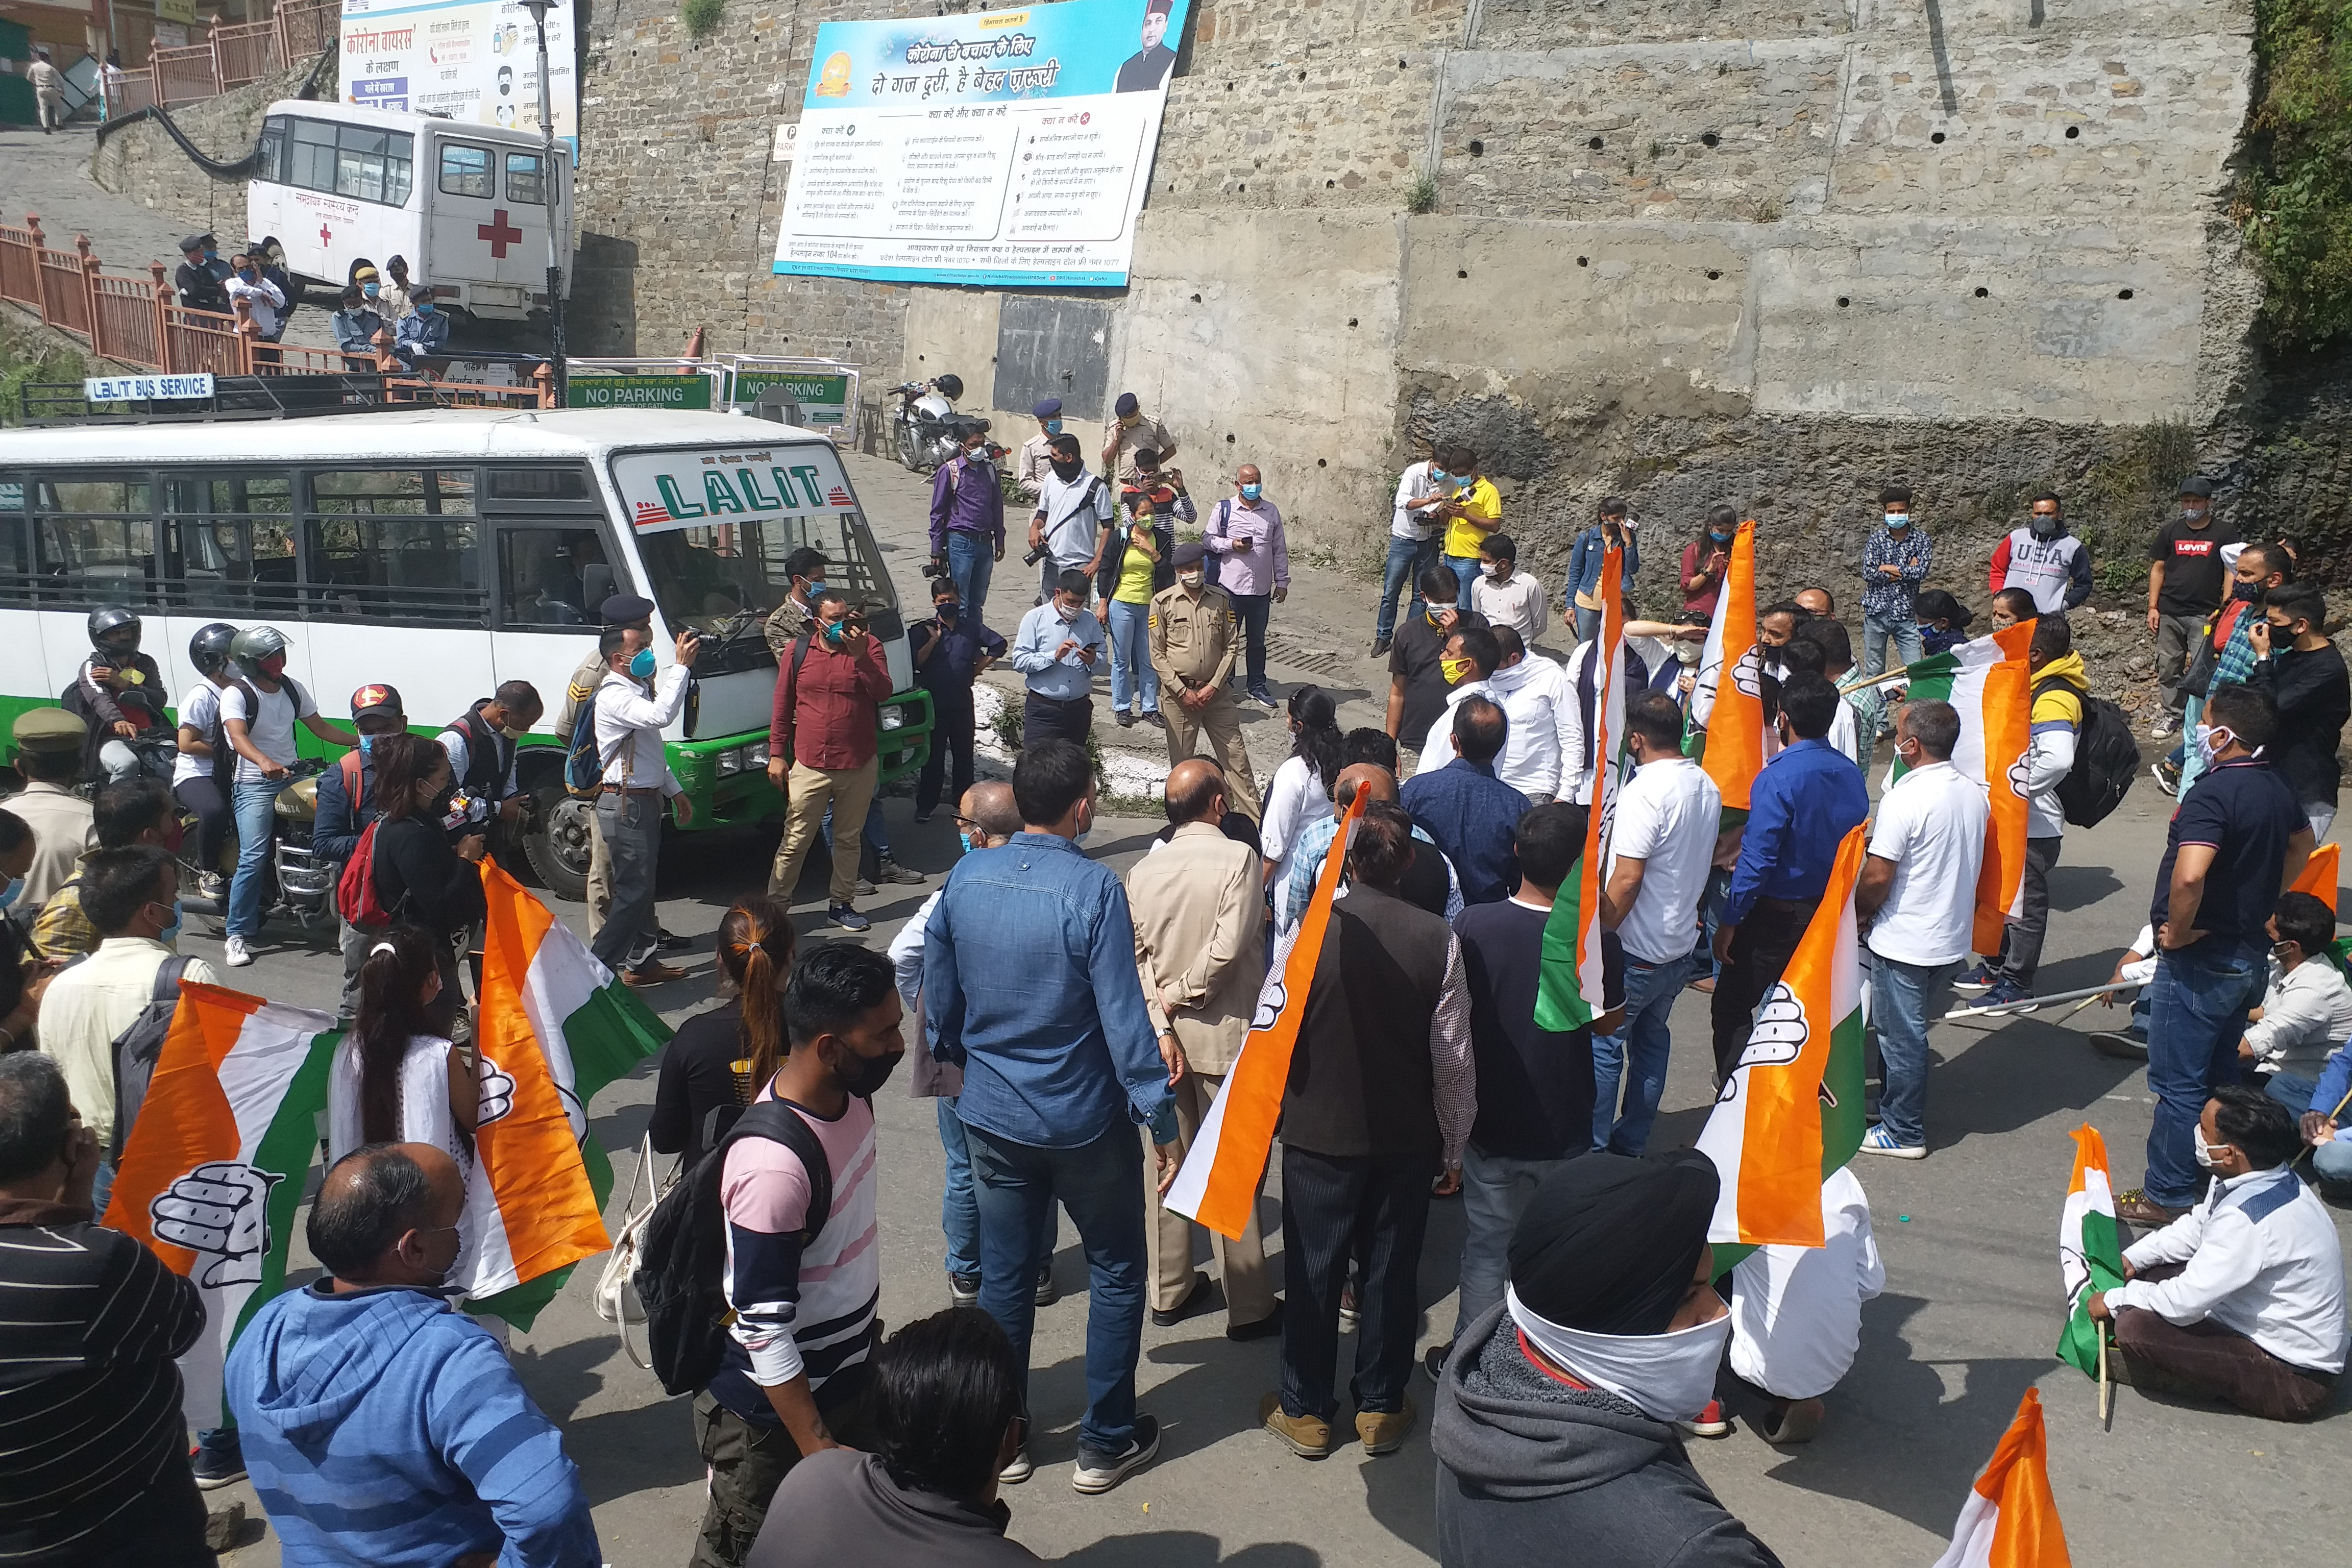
<point x="876" y="836"/>
<point x="971" y="560"/>
<point x="1649" y="993"/>
<point x="1495" y="1189"/>
<point x="1130" y="657"/>
<point x="1465" y="570"/>
<point x="256" y="831"/>
<point x="1711" y="900"/>
<point x="1101" y="1183"/>
<point x="1587" y="622"/>
<point x="2332" y="1160"/>
<point x="1877" y="635"/>
<point x="1408" y="559"/>
<point x="2197" y="1015"/>
<point x="1905" y="998"/>
<point x="1252" y="610"/>
<point x="959" y="1213"/>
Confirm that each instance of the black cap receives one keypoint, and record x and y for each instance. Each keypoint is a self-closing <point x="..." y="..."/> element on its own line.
<point x="1126" y="404"/>
<point x="191" y="242"/>
<point x="2197" y="485"/>
<point x="1190" y="552"/>
<point x="626" y="609"/>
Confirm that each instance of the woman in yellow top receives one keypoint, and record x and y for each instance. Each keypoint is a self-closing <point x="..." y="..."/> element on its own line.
<point x="1476" y="512"/>
<point x="1134" y="567"/>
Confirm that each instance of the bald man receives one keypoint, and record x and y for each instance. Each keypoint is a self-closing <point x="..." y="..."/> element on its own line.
<point x="370" y="1385"/>
<point x="1818" y="601"/>
<point x="1429" y="880"/>
<point x="1200" y="951"/>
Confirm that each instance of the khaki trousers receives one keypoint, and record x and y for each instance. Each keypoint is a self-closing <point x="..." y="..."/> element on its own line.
<point x="600" y="878"/>
<point x="850" y="793"/>
<point x="1249" y="1293"/>
<point x="1222" y="718"/>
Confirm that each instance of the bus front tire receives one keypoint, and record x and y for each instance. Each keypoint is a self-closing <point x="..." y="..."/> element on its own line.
<point x="558" y="847"/>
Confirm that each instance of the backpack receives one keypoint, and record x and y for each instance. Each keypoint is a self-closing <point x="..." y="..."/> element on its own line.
<point x="792" y="693"/>
<point x="356" y="896"/>
<point x="136" y="1050"/>
<point x="225" y="756"/>
<point x="681" y="1275"/>
<point x="584" y="763"/>
<point x="2106" y="760"/>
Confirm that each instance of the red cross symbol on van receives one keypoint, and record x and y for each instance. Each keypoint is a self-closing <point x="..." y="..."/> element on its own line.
<point x="499" y="232"/>
<point x="326" y="235"/>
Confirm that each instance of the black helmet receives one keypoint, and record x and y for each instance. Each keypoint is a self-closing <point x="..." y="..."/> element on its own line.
<point x="114" y="630"/>
<point x="950" y="386"/>
<point x="208" y="649"/>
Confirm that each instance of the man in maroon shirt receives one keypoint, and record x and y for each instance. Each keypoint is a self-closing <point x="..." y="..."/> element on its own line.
<point x="821" y="746"/>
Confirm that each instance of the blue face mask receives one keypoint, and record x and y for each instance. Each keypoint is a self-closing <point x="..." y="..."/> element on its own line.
<point x="965" y="839"/>
<point x="8" y="894"/>
<point x="170" y="934"/>
<point x="367" y="744"/>
<point x="1438" y="476"/>
<point x="368" y="290"/>
<point x="1718" y="538"/>
<point x="642" y="666"/>
<point x="1896" y="521"/>
<point x="1053" y="426"/>
<point x="211" y="255"/>
<point x="816" y="586"/>
<point x="424" y="307"/>
<point x="1251" y="492"/>
<point x="832" y="634"/>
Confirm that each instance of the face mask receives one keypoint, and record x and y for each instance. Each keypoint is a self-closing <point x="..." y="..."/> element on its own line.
<point x="1718" y="538"/>
<point x="947" y="613"/>
<point x="368" y="290"/>
<point x="367" y="744"/>
<point x="211" y="255"/>
<point x="1439" y="475"/>
<point x="1189" y="579"/>
<point x="1668" y="1377"/>
<point x="965" y="839"/>
<point x="835" y="631"/>
<point x="439" y="805"/>
<point x="9" y="893"/>
<point x="1053" y="426"/>
<point x="2210" y="1156"/>
<point x="1067" y="611"/>
<point x="1497" y="572"/>
<point x="170" y="933"/>
<point x="511" y="733"/>
<point x="1065" y="471"/>
<point x="2212" y="738"/>
<point x="642" y="666"/>
<point x="1687" y="652"/>
<point x="1454" y="669"/>
<point x="1896" y="521"/>
<point x="2044" y="527"/>
<point x="1251" y="492"/>
<point x="1129" y="421"/>
<point x="2241" y="589"/>
<point x="247" y="275"/>
<point x="864" y="1075"/>
<point x="424" y="307"/>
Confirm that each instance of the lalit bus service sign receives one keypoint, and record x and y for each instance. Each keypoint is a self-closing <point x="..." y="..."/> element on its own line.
<point x="475" y="61"/>
<point x="1010" y="147"/>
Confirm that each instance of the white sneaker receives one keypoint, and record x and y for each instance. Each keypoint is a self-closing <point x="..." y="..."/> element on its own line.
<point x="2168" y="725"/>
<point x="238" y="953"/>
<point x="1018" y="1469"/>
<point x="1879" y="1141"/>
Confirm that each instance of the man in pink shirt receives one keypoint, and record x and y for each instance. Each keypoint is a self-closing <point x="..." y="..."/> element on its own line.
<point x="1245" y="533"/>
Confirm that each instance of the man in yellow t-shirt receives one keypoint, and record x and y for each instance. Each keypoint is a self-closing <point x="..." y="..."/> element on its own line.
<point x="1476" y="512"/>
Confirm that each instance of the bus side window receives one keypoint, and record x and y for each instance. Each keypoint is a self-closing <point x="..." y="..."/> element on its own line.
<point x="396" y="545"/>
<point x="96" y="540"/>
<point x="233" y="535"/>
<point x="16" y="581"/>
<point x="551" y="577"/>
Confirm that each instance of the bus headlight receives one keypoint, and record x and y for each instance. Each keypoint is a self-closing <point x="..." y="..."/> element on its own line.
<point x="893" y="718"/>
<point x="730" y="762"/>
<point x="756" y="755"/>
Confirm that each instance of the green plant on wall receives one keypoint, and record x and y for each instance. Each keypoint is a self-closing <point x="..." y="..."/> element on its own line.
<point x="700" y="17"/>
<point x="2129" y="494"/>
<point x="2295" y="201"/>
<point x="1421" y="197"/>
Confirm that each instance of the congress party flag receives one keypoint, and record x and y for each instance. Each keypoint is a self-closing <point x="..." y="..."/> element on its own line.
<point x="1792" y="1111"/>
<point x="2089" y="1259"/>
<point x="215" y="1166"/>
<point x="2010" y="1519"/>
<point x="2319" y="876"/>
<point x="553" y="1025"/>
<point x="1985" y="679"/>
<point x="1568" y="985"/>
<point x="1732" y="711"/>
<point x="1219" y="1179"/>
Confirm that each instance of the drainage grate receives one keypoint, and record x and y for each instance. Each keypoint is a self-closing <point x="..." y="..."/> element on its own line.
<point x="1282" y="650"/>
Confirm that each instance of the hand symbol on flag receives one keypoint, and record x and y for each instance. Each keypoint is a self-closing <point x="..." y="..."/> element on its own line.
<point x="1748" y="673"/>
<point x="498" y="1093"/>
<point x="220" y="1212"/>
<point x="1777" y="1039"/>
<point x="1270" y="1002"/>
<point x="2017" y="772"/>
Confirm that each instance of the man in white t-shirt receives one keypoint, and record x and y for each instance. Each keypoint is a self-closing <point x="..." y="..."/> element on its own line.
<point x="258" y="713"/>
<point x="1074" y="507"/>
<point x="1414" y="526"/>
<point x="1668" y="815"/>
<point x="1918" y="890"/>
<point x="1796" y="1312"/>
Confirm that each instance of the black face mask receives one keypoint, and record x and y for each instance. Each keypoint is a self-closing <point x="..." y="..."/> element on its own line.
<point x="947" y="613"/>
<point x="2247" y="591"/>
<point x="1066" y="471"/>
<point x="439" y="805"/>
<point x="865" y="1076"/>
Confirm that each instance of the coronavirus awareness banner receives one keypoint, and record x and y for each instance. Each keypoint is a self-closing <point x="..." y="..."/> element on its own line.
<point x="1006" y="147"/>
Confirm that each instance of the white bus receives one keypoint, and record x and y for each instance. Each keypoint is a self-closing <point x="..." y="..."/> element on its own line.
<point x="466" y="205"/>
<point x="444" y="551"/>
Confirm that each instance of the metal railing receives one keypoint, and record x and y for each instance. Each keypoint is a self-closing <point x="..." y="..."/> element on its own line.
<point x="233" y="54"/>
<point x="138" y="321"/>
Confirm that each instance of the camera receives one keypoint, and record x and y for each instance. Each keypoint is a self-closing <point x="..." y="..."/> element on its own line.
<point x="936" y="570"/>
<point x="1034" y="557"/>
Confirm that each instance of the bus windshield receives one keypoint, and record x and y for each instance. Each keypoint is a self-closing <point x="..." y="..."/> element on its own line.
<point x="714" y="530"/>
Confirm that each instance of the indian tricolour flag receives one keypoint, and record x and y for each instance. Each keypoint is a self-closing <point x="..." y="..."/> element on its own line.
<point x="553" y="1025"/>
<point x="1986" y="680"/>
<point x="1793" y="1111"/>
<point x="1732" y="711"/>
<point x="215" y="1167"/>
<point x="1568" y="985"/>
<point x="1219" y="1181"/>
<point x="2010" y="1519"/>
<point x="2318" y="875"/>
<point x="2089" y="1259"/>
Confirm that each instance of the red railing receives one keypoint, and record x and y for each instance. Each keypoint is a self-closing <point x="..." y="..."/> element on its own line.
<point x="132" y="91"/>
<point x="235" y="55"/>
<point x="138" y="321"/>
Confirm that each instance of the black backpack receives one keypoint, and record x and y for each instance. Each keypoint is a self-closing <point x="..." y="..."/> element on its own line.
<point x="682" y="1262"/>
<point x="138" y="1048"/>
<point x="2106" y="759"/>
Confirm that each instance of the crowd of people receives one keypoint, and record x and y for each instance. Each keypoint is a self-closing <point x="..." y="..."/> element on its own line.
<point x="1074" y="1026"/>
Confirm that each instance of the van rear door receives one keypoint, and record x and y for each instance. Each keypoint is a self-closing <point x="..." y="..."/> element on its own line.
<point x="489" y="221"/>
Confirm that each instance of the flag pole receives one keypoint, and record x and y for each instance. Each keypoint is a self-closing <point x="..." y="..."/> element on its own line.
<point x="2088" y="993"/>
<point x="2107" y="1387"/>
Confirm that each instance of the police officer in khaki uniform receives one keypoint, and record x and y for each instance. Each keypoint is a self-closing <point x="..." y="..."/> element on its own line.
<point x="1194" y="639"/>
<point x="49" y="753"/>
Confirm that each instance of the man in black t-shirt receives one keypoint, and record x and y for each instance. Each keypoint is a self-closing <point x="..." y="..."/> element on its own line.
<point x="1534" y="1086"/>
<point x="2238" y="841"/>
<point x="2186" y="582"/>
<point x="1417" y="683"/>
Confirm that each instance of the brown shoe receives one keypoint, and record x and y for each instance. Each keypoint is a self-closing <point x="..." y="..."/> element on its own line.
<point x="2136" y="1208"/>
<point x="1384" y="1431"/>
<point x="653" y="972"/>
<point x="1302" y="1434"/>
<point x="1704" y="982"/>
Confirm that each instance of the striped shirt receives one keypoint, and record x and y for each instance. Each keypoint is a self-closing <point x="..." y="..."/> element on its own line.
<point x="89" y="1395"/>
<point x="800" y="1309"/>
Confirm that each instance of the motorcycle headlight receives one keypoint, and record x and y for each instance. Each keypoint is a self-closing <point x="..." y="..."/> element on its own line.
<point x="730" y="762"/>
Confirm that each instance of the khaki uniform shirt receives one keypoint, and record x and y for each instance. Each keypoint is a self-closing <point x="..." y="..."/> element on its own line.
<point x="785" y="623"/>
<point x="1199" y="912"/>
<point x="1146" y="434"/>
<point x="1192" y="642"/>
<point x="60" y="825"/>
<point x="584" y="682"/>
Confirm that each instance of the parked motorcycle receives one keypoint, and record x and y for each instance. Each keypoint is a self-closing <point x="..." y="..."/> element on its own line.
<point x="923" y="426"/>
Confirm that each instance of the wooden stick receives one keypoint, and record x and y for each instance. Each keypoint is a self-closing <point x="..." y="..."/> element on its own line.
<point x="2107" y="1388"/>
<point x="2332" y="1115"/>
<point x="2030" y="1002"/>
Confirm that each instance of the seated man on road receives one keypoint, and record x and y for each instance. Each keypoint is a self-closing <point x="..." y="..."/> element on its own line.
<point x="2242" y="1297"/>
<point x="2307" y="1011"/>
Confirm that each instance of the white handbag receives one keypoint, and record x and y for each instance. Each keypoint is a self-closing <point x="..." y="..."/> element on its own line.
<point x="616" y="1292"/>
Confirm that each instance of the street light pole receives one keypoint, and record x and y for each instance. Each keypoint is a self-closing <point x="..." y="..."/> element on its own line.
<point x="556" y="227"/>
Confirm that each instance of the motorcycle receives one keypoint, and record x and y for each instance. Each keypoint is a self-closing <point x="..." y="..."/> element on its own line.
<point x="299" y="885"/>
<point x="923" y="426"/>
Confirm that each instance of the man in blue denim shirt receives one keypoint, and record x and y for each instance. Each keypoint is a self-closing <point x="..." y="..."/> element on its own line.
<point x="1469" y="812"/>
<point x="1030" y="985"/>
